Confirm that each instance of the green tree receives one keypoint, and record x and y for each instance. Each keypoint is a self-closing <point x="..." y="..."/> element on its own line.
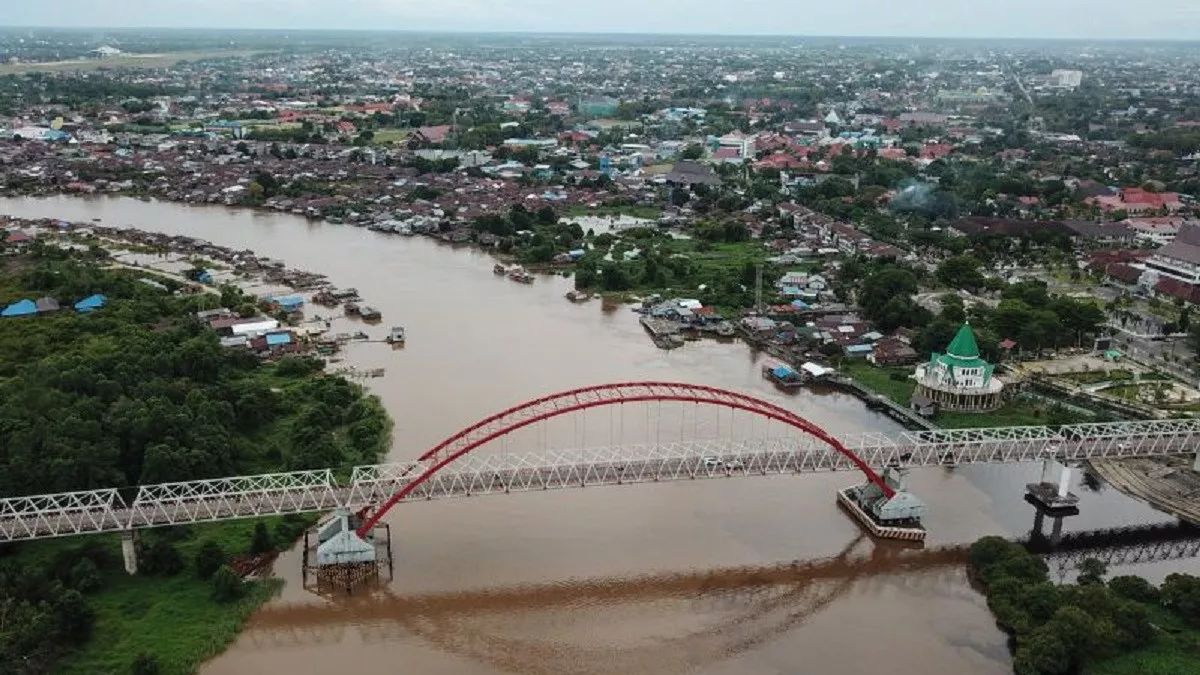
<point x="1042" y="654"/>
<point x="1181" y="593"/>
<point x="1092" y="571"/>
<point x="1134" y="588"/>
<point x="961" y="272"/>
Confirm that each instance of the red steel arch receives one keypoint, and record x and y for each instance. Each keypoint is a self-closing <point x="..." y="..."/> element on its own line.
<point x="574" y="400"/>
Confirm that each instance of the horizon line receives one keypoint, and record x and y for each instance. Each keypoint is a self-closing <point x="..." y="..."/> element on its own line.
<point x="617" y="33"/>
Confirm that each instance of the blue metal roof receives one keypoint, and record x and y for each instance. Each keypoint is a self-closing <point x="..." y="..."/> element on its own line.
<point x="20" y="308"/>
<point x="91" y="302"/>
<point x="278" y="339"/>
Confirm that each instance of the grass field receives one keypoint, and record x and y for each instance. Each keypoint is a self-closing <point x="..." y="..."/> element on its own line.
<point x="385" y="136"/>
<point x="123" y="61"/>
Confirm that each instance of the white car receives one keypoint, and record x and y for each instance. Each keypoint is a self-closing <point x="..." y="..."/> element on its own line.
<point x="712" y="463"/>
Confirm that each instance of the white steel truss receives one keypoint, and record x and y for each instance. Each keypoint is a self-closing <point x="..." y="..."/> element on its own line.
<point x="61" y="514"/>
<point x="238" y="497"/>
<point x="72" y="513"/>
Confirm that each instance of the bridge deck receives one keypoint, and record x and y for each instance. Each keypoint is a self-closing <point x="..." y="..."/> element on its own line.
<point x="65" y="514"/>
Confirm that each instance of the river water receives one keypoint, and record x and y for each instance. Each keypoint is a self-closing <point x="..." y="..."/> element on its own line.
<point x="667" y="578"/>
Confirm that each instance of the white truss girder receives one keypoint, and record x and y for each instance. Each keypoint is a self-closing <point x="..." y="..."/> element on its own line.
<point x="61" y="514"/>
<point x="41" y="516"/>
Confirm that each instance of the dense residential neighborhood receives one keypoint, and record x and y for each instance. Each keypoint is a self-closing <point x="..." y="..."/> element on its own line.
<point x="907" y="240"/>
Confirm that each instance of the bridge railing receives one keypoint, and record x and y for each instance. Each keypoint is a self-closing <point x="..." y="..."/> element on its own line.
<point x="235" y="497"/>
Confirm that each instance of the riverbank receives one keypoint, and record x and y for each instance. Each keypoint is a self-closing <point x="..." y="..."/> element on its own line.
<point x="1125" y="626"/>
<point x="137" y="392"/>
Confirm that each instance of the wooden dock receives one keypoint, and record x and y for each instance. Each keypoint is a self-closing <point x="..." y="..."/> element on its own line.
<point x="1167" y="483"/>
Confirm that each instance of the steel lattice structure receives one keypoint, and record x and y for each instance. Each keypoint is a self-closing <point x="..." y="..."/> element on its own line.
<point x="450" y="470"/>
<point x="576" y="400"/>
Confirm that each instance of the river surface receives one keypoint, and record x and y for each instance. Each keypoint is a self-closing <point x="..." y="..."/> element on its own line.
<point x="667" y="578"/>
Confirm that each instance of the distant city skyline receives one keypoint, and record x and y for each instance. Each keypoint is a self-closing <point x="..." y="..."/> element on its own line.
<point x="1072" y="19"/>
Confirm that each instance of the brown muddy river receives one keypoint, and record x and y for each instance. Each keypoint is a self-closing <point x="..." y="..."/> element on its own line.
<point x="663" y="578"/>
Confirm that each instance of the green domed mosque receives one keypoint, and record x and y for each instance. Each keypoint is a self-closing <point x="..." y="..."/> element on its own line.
<point x="958" y="380"/>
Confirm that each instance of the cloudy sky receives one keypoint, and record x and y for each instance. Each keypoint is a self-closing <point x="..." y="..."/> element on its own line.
<point x="1169" y="19"/>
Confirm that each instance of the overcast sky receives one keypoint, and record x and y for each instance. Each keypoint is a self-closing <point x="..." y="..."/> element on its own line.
<point x="1170" y="19"/>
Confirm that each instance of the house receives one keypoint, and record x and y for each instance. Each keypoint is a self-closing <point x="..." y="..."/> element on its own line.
<point x="19" y="308"/>
<point x="18" y="239"/>
<point x="91" y="303"/>
<point x="1137" y="200"/>
<point x="425" y="136"/>
<point x="1174" y="269"/>
<point x="280" y="342"/>
<point x="729" y="155"/>
<point x="288" y="303"/>
<point x="688" y="173"/>
<point x="891" y="351"/>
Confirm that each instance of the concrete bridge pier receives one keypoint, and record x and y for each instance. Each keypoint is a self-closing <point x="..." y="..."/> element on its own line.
<point x="129" y="550"/>
<point x="1056" y="527"/>
<point x="1053" y="492"/>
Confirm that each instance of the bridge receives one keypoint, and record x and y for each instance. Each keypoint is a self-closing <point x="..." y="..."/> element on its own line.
<point x="467" y="463"/>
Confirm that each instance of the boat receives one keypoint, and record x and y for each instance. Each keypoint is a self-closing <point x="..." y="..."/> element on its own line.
<point x="371" y="314"/>
<point x="578" y="296"/>
<point x="519" y="275"/>
<point x="396" y="336"/>
<point x="499" y="270"/>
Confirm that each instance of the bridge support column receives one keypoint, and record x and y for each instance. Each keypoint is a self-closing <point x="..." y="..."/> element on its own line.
<point x="1056" y="531"/>
<point x="1064" y="482"/>
<point x="129" y="550"/>
<point x="1196" y="464"/>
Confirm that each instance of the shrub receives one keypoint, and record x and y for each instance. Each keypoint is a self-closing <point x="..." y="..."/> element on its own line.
<point x="262" y="542"/>
<point x="209" y="559"/>
<point x="161" y="558"/>
<point x="85" y="576"/>
<point x="227" y="586"/>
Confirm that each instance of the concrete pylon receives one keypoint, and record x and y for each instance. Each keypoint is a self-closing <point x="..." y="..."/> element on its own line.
<point x="1064" y="481"/>
<point x="129" y="550"/>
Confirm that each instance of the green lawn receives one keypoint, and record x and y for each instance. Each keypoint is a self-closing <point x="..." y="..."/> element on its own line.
<point x="384" y="136"/>
<point x="1016" y="413"/>
<point x="880" y="380"/>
